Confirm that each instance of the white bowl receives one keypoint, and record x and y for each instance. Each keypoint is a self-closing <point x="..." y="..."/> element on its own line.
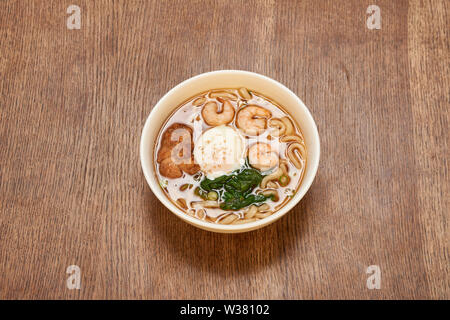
<point x="229" y="79"/>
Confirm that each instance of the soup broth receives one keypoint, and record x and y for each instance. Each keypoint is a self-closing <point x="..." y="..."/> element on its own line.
<point x="230" y="156"/>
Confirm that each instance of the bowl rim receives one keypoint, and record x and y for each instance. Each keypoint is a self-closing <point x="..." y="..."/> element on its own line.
<point x="304" y="187"/>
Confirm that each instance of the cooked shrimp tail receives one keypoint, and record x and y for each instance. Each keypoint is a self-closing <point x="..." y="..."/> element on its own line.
<point x="252" y="119"/>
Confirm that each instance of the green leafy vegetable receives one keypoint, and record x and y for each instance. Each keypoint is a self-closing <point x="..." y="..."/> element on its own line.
<point x="235" y="189"/>
<point x="238" y="202"/>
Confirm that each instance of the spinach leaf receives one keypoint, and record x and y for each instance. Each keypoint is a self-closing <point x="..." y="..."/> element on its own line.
<point x="235" y="189"/>
<point x="216" y="184"/>
<point x="236" y="203"/>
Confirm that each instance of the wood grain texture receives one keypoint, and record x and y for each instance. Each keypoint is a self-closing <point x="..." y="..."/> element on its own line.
<point x="73" y="104"/>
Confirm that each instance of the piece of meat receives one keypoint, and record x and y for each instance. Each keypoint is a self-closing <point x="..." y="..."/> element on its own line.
<point x="176" y="133"/>
<point x="163" y="153"/>
<point x="169" y="169"/>
<point x="180" y="136"/>
<point x="190" y="168"/>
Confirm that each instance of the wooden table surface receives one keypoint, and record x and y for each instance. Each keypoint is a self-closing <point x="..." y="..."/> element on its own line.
<point x="73" y="104"/>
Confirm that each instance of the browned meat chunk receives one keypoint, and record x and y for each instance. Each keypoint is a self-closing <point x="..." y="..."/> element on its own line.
<point x="174" y="142"/>
<point x="190" y="168"/>
<point x="169" y="169"/>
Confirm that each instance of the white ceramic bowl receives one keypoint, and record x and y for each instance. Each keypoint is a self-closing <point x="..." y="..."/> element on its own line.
<point x="229" y="79"/>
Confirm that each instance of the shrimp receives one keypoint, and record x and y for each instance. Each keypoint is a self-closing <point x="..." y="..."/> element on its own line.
<point x="215" y="117"/>
<point x="252" y="119"/>
<point x="261" y="156"/>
